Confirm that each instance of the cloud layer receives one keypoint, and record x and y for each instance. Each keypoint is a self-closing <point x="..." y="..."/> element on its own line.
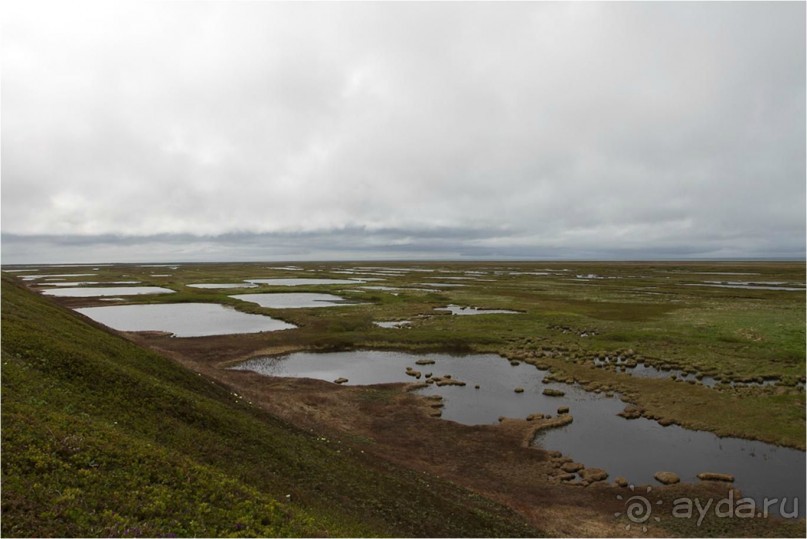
<point x="532" y="129"/>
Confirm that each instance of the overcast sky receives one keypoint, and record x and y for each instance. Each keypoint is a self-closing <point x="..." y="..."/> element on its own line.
<point x="262" y="131"/>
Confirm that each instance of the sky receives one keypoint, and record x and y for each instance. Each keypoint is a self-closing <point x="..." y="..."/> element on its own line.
<point x="206" y="131"/>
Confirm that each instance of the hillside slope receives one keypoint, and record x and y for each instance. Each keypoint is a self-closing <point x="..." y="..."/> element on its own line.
<point x="101" y="437"/>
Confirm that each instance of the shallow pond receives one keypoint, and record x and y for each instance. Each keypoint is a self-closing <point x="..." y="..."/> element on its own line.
<point x="393" y="324"/>
<point x="469" y="311"/>
<point x="384" y="288"/>
<point x="90" y="292"/>
<point x="637" y="449"/>
<point x="42" y="276"/>
<point x="598" y="437"/>
<point x="183" y="319"/>
<point x="87" y="283"/>
<point x="644" y="370"/>
<point x="294" y="300"/>
<point x="302" y="282"/>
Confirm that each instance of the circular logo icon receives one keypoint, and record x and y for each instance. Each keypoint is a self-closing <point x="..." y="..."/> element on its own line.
<point x="638" y="508"/>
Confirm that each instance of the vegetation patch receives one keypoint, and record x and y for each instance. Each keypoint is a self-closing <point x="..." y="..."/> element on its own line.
<point x="101" y="437"/>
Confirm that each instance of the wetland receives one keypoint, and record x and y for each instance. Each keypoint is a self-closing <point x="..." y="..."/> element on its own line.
<point x="626" y="369"/>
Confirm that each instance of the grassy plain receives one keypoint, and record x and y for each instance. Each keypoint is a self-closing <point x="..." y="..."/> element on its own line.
<point x="661" y="311"/>
<point x="570" y="313"/>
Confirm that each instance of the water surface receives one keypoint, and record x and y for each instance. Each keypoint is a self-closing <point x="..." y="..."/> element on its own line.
<point x="294" y="300"/>
<point x="89" y="292"/>
<point x="303" y="281"/>
<point x="44" y="275"/>
<point x="183" y="319"/>
<point x="637" y="449"/>
<point x="87" y="283"/>
<point x="222" y="285"/>
<point x="393" y="324"/>
<point x="598" y="437"/>
<point x="470" y="311"/>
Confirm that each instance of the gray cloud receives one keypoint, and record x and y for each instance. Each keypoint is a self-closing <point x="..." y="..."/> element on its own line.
<point x="453" y="129"/>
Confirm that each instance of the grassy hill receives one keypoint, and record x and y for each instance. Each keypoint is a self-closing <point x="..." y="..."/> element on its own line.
<point x="101" y="437"/>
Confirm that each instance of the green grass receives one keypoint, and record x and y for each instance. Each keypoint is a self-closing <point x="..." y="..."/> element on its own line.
<point x="648" y="307"/>
<point x="101" y="437"/>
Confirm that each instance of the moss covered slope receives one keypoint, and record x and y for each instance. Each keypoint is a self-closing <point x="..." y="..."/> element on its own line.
<point x="101" y="437"/>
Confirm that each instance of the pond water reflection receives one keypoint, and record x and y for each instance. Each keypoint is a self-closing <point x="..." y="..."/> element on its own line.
<point x="91" y="292"/>
<point x="598" y="437"/>
<point x="294" y="300"/>
<point x="183" y="319"/>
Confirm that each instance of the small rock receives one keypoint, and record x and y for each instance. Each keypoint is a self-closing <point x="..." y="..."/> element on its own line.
<point x="567" y="477"/>
<point x="593" y="474"/>
<point x="549" y="392"/>
<point x="621" y="482"/>
<point x="563" y="409"/>
<point x="572" y="467"/>
<point x="424" y="362"/>
<point x="519" y="390"/>
<point x="340" y="380"/>
<point x="578" y="483"/>
<point x="554" y="454"/>
<point x="711" y="476"/>
<point x="665" y="422"/>
<point x="631" y="412"/>
<point x="667" y="478"/>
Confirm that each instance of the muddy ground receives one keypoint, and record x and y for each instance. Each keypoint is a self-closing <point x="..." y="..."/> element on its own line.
<point x="392" y="423"/>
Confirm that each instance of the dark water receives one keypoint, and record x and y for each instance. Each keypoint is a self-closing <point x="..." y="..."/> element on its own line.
<point x="183" y="319"/>
<point x="598" y="437"/>
<point x="645" y="370"/>
<point x="637" y="449"/>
